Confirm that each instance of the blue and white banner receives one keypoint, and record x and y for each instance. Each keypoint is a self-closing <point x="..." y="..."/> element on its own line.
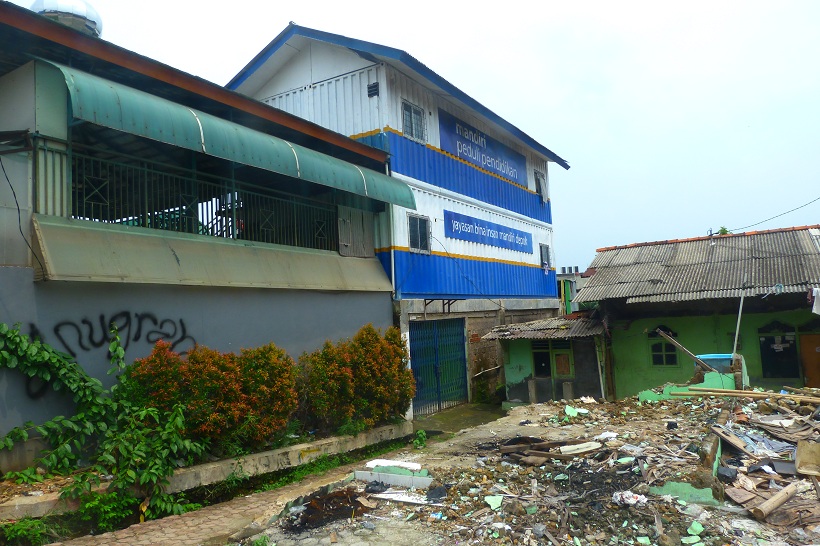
<point x="467" y="228"/>
<point x="468" y="143"/>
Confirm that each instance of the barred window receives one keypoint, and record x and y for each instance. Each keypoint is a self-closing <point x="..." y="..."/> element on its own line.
<point x="419" y="230"/>
<point x="412" y="121"/>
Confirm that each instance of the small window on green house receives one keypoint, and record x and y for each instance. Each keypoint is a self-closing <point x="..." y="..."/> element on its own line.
<point x="663" y="352"/>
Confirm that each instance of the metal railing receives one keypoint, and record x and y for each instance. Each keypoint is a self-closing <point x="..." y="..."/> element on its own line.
<point x="159" y="197"/>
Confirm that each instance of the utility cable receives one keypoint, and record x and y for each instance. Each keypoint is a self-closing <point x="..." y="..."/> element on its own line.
<point x="776" y="216"/>
<point x="500" y="306"/>
<point x="20" y="220"/>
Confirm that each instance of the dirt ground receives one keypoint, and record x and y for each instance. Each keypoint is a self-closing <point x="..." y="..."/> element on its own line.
<point x="600" y="497"/>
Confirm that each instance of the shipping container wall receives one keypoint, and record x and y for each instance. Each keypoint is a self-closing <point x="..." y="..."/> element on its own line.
<point x="426" y="163"/>
<point x="340" y="104"/>
<point x="401" y="89"/>
<point x="463" y="240"/>
<point x="472" y="251"/>
<point x="315" y="63"/>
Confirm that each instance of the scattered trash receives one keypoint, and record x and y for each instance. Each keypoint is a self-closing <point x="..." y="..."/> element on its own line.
<point x="376" y="487"/>
<point x="628" y="498"/>
<point x="437" y="493"/>
<point x="494" y="501"/>
<point x="595" y="467"/>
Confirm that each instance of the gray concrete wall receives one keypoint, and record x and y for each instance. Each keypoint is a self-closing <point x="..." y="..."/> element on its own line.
<point x="74" y="318"/>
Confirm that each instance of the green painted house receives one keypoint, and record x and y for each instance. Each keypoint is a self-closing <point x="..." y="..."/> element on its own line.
<point x="553" y="358"/>
<point x="695" y="289"/>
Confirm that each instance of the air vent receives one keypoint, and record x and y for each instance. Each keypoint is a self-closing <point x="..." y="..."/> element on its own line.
<point x="373" y="90"/>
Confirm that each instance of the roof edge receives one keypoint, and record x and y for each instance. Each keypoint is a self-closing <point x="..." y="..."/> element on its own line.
<point x="27" y="21"/>
<point x="707" y="237"/>
<point x="395" y="54"/>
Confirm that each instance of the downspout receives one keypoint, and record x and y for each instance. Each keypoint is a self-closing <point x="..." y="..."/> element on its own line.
<point x="392" y="249"/>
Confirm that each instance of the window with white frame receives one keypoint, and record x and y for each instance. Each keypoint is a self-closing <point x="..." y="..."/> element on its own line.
<point x="412" y="121"/>
<point x="419" y="231"/>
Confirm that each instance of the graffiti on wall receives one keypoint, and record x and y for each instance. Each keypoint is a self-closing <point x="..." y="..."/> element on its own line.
<point x="87" y="334"/>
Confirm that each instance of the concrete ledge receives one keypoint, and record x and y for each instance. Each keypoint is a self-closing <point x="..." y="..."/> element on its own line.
<point x="209" y="473"/>
<point x="286" y="457"/>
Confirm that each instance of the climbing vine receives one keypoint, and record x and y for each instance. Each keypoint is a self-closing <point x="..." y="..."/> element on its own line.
<point x="138" y="447"/>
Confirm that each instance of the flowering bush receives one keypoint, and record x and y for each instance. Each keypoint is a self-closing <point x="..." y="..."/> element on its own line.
<point x="268" y="378"/>
<point x="238" y="402"/>
<point x="327" y="387"/>
<point x="357" y="383"/>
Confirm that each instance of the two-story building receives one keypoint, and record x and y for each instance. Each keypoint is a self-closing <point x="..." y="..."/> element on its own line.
<point x="136" y="194"/>
<point x="477" y="250"/>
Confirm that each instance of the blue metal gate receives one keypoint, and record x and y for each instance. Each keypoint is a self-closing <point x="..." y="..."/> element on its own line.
<point x="439" y="363"/>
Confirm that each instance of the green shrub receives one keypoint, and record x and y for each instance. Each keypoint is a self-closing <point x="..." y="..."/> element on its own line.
<point x="25" y="532"/>
<point x="327" y="388"/>
<point x="359" y="383"/>
<point x="268" y="378"/>
<point x="107" y="511"/>
<point x="239" y="402"/>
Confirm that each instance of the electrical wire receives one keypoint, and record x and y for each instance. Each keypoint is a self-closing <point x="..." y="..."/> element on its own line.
<point x="20" y="220"/>
<point x="500" y="306"/>
<point x="776" y="216"/>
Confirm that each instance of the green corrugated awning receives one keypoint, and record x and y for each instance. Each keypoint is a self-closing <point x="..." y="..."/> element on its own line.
<point x="109" y="104"/>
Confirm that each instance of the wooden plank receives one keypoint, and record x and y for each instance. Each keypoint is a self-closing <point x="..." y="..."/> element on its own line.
<point x="740" y="496"/>
<point x="689" y="353"/>
<point x="532" y="460"/>
<point x="550" y="455"/>
<point x="733" y="440"/>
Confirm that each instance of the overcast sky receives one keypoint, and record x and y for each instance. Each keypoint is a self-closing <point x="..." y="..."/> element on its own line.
<point x="676" y="118"/>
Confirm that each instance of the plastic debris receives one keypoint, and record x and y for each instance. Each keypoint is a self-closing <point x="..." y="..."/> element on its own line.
<point x="628" y="498"/>
<point x="695" y="529"/>
<point x="494" y="501"/>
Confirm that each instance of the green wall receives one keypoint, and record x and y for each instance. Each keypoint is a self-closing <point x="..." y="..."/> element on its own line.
<point x="518" y="366"/>
<point x="634" y="372"/>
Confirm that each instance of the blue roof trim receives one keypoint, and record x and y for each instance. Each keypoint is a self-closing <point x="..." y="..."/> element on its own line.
<point x="368" y="49"/>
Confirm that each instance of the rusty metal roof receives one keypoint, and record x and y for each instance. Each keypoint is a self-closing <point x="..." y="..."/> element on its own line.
<point x="551" y="328"/>
<point x="722" y="266"/>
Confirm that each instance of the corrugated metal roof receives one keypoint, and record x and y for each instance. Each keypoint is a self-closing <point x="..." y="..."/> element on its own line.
<point x="761" y="262"/>
<point x="119" y="107"/>
<point x="551" y="328"/>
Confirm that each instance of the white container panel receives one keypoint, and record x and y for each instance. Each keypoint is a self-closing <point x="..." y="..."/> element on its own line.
<point x="433" y="206"/>
<point x="340" y="104"/>
<point x="404" y="89"/>
<point x="296" y="102"/>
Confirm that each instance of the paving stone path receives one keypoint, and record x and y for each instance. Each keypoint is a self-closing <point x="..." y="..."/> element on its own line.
<point x="212" y="525"/>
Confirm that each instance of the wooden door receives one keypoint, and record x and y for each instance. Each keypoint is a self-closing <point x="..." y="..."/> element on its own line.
<point x="810" y="356"/>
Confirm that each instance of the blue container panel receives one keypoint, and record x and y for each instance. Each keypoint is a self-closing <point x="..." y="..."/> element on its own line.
<point x="378" y="140"/>
<point x="435" y="277"/>
<point x="422" y="163"/>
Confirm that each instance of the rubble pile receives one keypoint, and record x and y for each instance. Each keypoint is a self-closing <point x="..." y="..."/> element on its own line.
<point x="583" y="472"/>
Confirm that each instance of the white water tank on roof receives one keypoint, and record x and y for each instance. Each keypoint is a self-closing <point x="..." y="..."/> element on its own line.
<point x="77" y="14"/>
